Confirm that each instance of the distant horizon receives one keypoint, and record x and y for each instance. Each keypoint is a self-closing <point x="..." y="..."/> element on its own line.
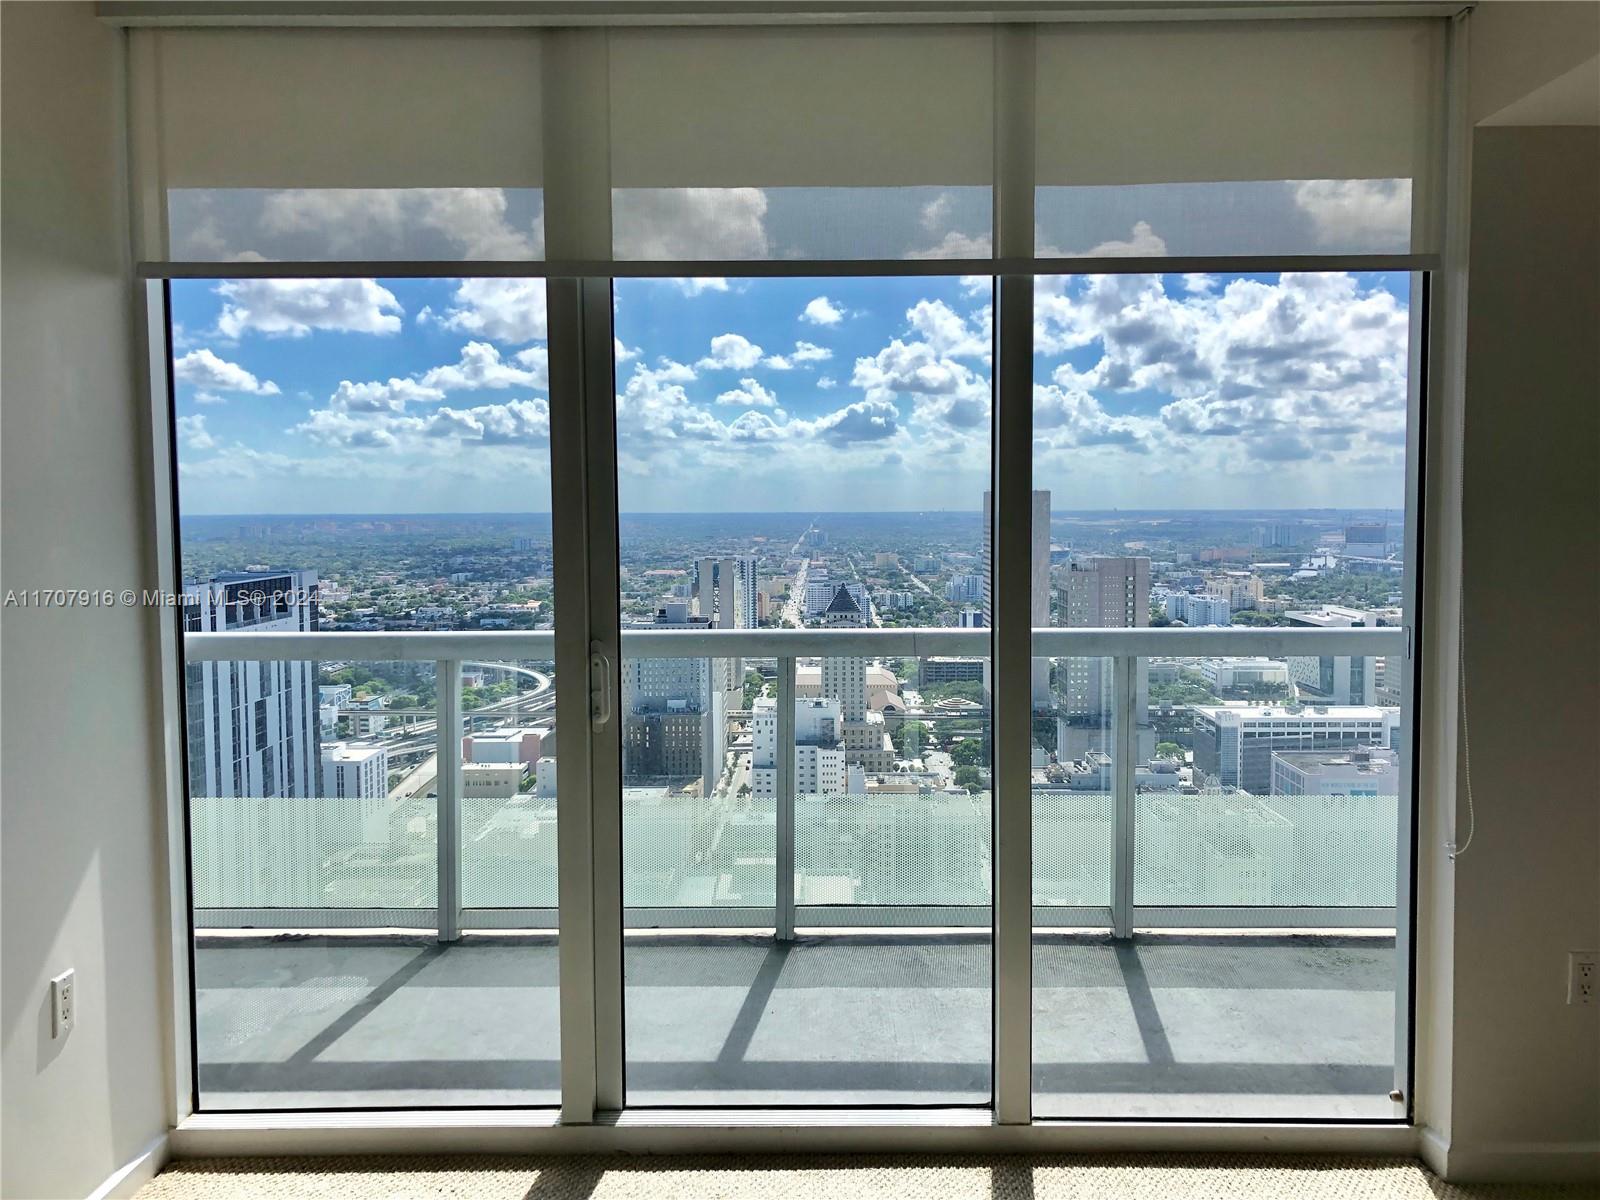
<point x="756" y="512"/>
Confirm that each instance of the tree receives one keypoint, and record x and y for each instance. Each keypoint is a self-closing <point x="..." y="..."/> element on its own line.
<point x="970" y="778"/>
<point x="1044" y="731"/>
<point x="1169" y="750"/>
<point x="967" y="753"/>
<point x="910" y="738"/>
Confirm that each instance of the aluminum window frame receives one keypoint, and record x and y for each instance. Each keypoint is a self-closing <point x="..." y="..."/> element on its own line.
<point x="588" y="638"/>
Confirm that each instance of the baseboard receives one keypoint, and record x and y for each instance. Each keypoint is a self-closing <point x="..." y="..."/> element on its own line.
<point x="135" y="1173"/>
<point x="1510" y="1162"/>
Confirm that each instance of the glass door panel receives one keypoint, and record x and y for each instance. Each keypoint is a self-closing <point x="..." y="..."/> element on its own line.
<point x="806" y="823"/>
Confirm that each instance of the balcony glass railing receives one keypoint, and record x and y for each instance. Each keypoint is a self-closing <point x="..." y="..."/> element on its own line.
<point x="1243" y="809"/>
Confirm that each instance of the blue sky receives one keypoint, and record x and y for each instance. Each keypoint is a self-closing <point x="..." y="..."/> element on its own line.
<point x="792" y="394"/>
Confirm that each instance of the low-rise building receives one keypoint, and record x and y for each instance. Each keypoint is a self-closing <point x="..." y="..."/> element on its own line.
<point x="491" y="780"/>
<point x="1245" y="672"/>
<point x="1363" y="771"/>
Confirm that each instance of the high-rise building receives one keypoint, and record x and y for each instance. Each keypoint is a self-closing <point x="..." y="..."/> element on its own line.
<point x="1275" y="534"/>
<point x="1038" y="585"/>
<point x="1101" y="593"/>
<point x="253" y="727"/>
<point x="1366" y="539"/>
<point x="964" y="589"/>
<point x="724" y="590"/>
<point x="675" y="710"/>
<point x="862" y="733"/>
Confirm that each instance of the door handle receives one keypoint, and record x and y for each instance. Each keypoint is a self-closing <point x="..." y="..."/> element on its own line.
<point x="599" y="690"/>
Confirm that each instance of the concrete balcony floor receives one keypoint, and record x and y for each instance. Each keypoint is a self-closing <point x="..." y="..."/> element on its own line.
<point x="1170" y="1025"/>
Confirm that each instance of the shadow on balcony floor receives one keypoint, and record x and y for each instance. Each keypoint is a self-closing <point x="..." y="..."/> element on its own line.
<point x="1170" y="1025"/>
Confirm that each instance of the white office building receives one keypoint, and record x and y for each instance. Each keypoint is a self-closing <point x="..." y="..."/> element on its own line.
<point x="1234" y="743"/>
<point x="355" y="769"/>
<point x="1364" y="771"/>
<point x="1335" y="679"/>
<point x="1202" y="609"/>
<point x="1244" y="672"/>
<point x="819" y="758"/>
<point x="545" y="777"/>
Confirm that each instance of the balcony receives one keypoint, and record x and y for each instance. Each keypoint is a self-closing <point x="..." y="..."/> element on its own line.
<point x="1195" y="954"/>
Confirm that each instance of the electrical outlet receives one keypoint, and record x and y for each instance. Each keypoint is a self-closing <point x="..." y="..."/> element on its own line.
<point x="63" y="1003"/>
<point x="1583" y="977"/>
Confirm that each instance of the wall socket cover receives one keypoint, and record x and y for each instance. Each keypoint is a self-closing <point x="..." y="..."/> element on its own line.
<point x="63" y="1003"/>
<point x="1583" y="977"/>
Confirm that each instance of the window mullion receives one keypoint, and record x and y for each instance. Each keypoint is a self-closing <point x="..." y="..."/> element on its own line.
<point x="1011" y="582"/>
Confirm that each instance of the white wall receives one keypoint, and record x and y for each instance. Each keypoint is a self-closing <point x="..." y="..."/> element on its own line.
<point x="1526" y="1067"/>
<point x="82" y="851"/>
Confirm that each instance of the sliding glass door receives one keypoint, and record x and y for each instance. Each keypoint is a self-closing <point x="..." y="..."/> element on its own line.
<point x="366" y="592"/>
<point x="1226" y="792"/>
<point x="806" y="792"/>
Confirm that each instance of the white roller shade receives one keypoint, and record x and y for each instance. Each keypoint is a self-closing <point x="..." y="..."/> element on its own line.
<point x="787" y="107"/>
<point x="1231" y="101"/>
<point x="349" y="108"/>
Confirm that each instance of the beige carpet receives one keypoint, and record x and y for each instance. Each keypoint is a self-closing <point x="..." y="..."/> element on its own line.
<point x="762" y="1177"/>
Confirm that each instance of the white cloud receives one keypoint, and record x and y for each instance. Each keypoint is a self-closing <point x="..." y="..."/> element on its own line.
<point x="470" y="223"/>
<point x="1307" y="367"/>
<point x="203" y="369"/>
<point x="748" y="394"/>
<point x="946" y="332"/>
<point x="209" y="398"/>
<point x="956" y="244"/>
<point x="1371" y="215"/>
<point x="653" y="408"/>
<point x="481" y="366"/>
<point x="806" y="352"/>
<point x="731" y="351"/>
<point x="294" y="307"/>
<point x="928" y="368"/>
<point x="1069" y="417"/>
<point x="193" y="432"/>
<point x="936" y="218"/>
<point x="517" y="422"/>
<point x="1142" y="242"/>
<point x="703" y="283"/>
<point x="827" y="382"/>
<point x="753" y="426"/>
<point x="503" y="310"/>
<point x="822" y="311"/>
<point x="662" y="224"/>
<point x="392" y="396"/>
<point x="621" y="353"/>
<point x="863" y="421"/>
<point x="328" y="427"/>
